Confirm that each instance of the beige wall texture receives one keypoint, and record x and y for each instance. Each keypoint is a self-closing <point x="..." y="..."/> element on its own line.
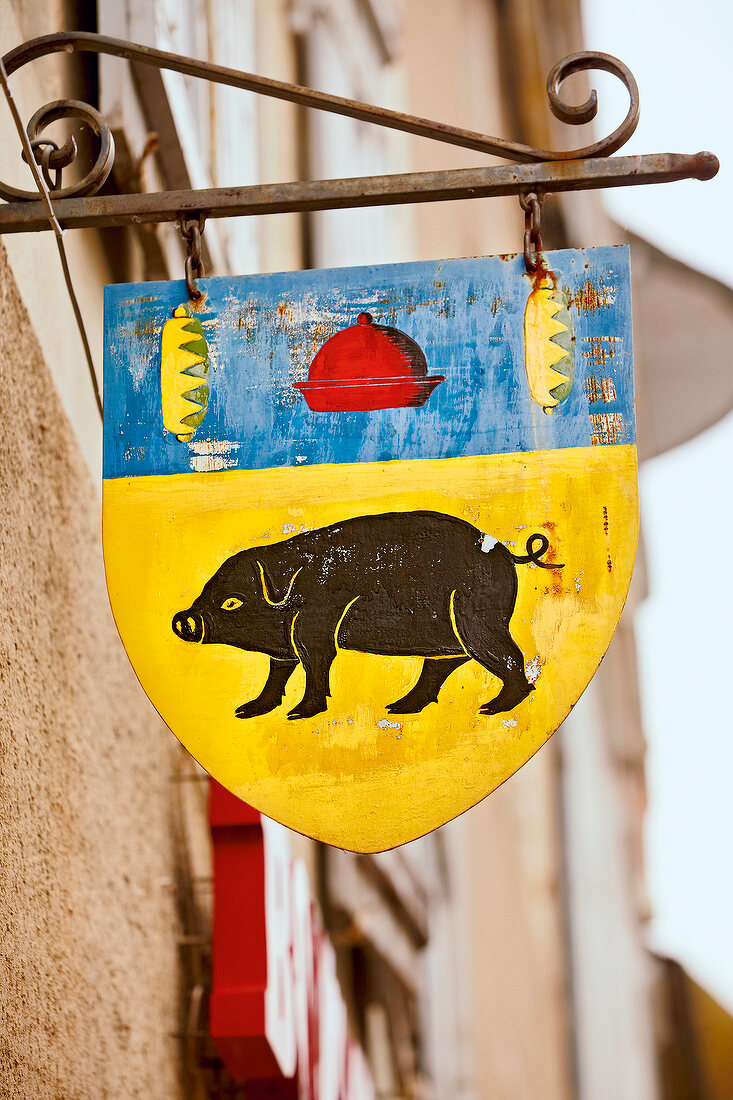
<point x="89" y="996"/>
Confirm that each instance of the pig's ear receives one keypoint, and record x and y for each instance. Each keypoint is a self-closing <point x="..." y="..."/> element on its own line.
<point x="231" y="603"/>
<point x="277" y="591"/>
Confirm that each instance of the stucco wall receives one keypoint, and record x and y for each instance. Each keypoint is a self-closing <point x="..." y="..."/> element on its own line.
<point x="89" y="980"/>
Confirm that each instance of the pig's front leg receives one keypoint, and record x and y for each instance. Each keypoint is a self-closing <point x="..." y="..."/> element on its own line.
<point x="272" y="693"/>
<point x="315" y="644"/>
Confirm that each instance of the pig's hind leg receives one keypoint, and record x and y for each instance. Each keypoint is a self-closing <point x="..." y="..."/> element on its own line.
<point x="272" y="693"/>
<point x="435" y="671"/>
<point x="485" y="635"/>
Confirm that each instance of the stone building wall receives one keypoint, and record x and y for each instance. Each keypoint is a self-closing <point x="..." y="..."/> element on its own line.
<point x="89" y="976"/>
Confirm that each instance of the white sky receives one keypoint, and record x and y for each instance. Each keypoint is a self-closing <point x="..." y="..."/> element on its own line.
<point x="682" y="57"/>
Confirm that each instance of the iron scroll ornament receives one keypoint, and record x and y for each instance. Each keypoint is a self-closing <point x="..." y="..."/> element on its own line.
<point x="50" y="157"/>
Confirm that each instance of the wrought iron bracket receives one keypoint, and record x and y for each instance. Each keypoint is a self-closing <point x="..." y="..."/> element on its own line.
<point x="536" y="171"/>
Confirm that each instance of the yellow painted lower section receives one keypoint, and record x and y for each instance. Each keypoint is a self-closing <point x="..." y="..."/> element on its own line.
<point x="356" y="776"/>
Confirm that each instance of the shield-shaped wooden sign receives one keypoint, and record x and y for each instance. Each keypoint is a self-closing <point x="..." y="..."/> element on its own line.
<point x="368" y="532"/>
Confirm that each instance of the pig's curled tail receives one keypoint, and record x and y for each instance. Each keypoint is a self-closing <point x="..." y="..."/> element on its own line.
<point x="537" y="547"/>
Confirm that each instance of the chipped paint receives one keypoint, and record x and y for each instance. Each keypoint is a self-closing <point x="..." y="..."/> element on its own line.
<point x="209" y="455"/>
<point x="533" y="669"/>
<point x="206" y="464"/>
<point x="135" y="452"/>
<point x="385" y="724"/>
<point x="608" y="428"/>
<point x="223" y="447"/>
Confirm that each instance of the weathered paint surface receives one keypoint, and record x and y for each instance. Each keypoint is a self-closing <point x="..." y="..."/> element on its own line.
<point x="264" y="331"/>
<point x="393" y="608"/>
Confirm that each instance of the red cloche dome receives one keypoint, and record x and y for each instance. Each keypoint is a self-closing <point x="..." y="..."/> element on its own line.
<point x="368" y="366"/>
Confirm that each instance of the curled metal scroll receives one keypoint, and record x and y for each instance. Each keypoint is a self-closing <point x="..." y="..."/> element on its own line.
<point x="55" y="159"/>
<point x="51" y="157"/>
<point x="586" y="112"/>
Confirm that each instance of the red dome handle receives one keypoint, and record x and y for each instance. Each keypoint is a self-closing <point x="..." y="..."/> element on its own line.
<point x="364" y="319"/>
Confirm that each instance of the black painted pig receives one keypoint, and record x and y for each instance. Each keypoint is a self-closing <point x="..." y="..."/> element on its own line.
<point x="403" y="584"/>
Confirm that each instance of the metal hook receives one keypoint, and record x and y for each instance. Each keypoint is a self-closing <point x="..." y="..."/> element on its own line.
<point x="531" y="203"/>
<point x="52" y="158"/>
<point x="191" y="230"/>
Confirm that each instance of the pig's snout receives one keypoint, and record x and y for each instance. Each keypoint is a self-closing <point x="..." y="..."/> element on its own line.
<point x="189" y="625"/>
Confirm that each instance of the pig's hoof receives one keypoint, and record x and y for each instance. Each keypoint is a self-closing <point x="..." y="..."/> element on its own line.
<point x="408" y="706"/>
<point x="254" y="708"/>
<point x="506" y="700"/>
<point x="306" y="710"/>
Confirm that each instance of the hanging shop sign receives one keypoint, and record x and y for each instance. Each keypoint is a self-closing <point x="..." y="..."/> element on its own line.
<point x="368" y="532"/>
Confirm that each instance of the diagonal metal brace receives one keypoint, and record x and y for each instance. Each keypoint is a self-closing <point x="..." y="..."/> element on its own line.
<point x="90" y="42"/>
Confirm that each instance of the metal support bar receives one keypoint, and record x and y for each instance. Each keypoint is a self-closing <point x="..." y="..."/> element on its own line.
<point x="104" y="211"/>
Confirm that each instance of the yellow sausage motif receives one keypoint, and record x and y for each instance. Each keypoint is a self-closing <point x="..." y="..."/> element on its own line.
<point x="184" y="370"/>
<point x="548" y="346"/>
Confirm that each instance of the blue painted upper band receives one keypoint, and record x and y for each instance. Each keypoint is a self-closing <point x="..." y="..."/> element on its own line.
<point x="263" y="332"/>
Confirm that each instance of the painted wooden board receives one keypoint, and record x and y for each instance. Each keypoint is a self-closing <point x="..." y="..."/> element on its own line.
<point x="368" y="532"/>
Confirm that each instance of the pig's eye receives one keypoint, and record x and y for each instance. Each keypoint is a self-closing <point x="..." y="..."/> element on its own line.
<point x="231" y="604"/>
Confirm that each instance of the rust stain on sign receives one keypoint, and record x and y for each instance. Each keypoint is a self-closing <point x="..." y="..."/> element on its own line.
<point x="600" y="349"/>
<point x="594" y="296"/>
<point x="556" y="588"/>
<point x="600" y="389"/>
